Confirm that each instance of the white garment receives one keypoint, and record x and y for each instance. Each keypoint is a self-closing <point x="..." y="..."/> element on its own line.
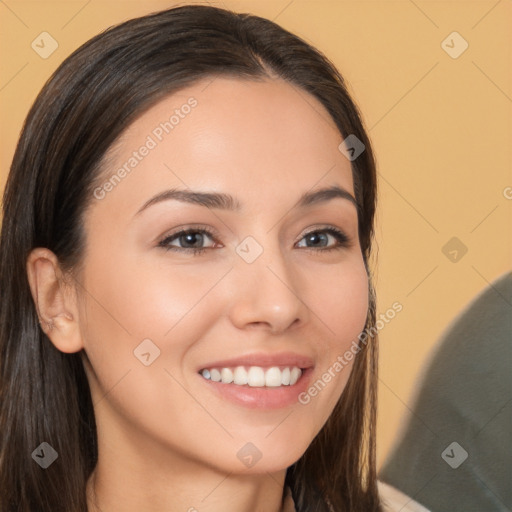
<point x="394" y="500"/>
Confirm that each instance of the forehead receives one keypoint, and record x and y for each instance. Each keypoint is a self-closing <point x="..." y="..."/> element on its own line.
<point x="261" y="139"/>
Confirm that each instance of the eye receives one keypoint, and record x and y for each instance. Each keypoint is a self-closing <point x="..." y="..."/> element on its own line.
<point x="190" y="240"/>
<point x="319" y="239"/>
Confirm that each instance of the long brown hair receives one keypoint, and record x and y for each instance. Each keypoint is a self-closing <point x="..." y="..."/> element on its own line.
<point x="83" y="108"/>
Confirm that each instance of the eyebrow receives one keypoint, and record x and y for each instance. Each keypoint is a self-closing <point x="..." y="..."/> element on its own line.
<point x="222" y="201"/>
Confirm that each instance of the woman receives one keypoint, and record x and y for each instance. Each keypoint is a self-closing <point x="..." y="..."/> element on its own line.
<point x="185" y="250"/>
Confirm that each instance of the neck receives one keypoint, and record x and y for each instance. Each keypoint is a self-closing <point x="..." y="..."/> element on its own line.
<point x="116" y="487"/>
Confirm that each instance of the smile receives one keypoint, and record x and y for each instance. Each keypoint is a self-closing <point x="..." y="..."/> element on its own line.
<point x="254" y="376"/>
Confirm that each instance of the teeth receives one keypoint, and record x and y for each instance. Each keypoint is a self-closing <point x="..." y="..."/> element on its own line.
<point x="273" y="377"/>
<point x="255" y="376"/>
<point x="226" y="376"/>
<point x="294" y="375"/>
<point x="214" y="375"/>
<point x="240" y="376"/>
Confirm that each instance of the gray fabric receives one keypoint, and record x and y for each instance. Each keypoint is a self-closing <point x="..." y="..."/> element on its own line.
<point x="465" y="397"/>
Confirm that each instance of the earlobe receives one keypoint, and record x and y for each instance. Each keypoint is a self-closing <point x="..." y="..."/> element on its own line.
<point x="55" y="300"/>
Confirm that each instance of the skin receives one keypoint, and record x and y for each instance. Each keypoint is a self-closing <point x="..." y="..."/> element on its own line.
<point x="166" y="441"/>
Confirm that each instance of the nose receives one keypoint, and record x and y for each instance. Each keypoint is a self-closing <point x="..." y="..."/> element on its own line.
<point x="267" y="294"/>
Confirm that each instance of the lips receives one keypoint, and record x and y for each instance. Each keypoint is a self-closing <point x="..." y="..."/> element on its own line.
<point x="259" y="381"/>
<point x="264" y="360"/>
<point x="261" y="397"/>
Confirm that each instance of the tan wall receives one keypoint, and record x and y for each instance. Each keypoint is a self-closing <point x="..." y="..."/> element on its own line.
<point x="441" y="128"/>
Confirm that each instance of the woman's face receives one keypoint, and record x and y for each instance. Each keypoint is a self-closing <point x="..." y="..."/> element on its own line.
<point x="272" y="287"/>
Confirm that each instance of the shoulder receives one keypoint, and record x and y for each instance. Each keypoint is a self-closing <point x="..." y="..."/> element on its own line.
<point x="394" y="500"/>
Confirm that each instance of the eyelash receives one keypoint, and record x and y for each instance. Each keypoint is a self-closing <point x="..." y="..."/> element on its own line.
<point x="342" y="239"/>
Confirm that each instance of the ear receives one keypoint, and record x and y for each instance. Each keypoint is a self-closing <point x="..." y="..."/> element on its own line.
<point x="55" y="300"/>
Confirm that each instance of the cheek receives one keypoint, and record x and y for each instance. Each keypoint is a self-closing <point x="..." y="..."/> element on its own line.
<point x="142" y="300"/>
<point x="129" y="303"/>
<point x="132" y="301"/>
<point x="342" y="303"/>
<point x="353" y="304"/>
<point x="342" y="307"/>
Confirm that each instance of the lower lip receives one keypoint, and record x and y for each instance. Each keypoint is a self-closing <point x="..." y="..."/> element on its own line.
<point x="262" y="397"/>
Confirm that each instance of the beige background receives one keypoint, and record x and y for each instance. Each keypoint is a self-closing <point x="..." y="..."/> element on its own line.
<point x="441" y="128"/>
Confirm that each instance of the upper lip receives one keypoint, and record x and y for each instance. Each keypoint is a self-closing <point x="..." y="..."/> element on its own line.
<point x="289" y="359"/>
